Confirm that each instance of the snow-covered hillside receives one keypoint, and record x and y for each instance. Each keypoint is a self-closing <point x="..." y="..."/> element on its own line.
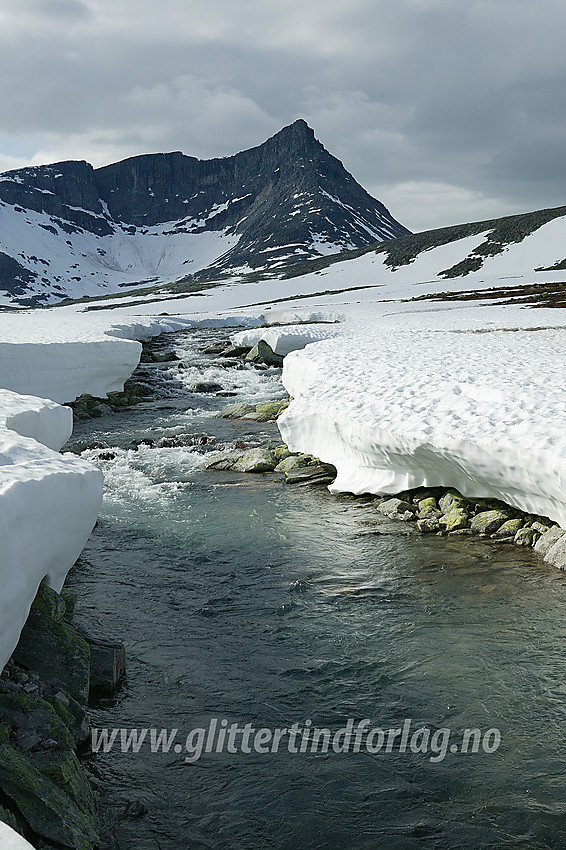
<point x="395" y="392"/>
<point x="68" y="230"/>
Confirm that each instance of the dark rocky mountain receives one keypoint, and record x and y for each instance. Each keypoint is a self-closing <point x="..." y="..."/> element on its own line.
<point x="71" y="230"/>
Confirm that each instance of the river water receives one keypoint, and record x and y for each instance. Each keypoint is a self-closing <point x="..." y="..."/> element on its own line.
<point x="245" y="600"/>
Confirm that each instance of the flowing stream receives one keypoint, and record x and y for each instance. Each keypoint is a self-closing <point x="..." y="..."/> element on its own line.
<point x="243" y="599"/>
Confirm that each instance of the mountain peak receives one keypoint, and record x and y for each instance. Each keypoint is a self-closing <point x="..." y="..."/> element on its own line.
<point x="165" y="217"/>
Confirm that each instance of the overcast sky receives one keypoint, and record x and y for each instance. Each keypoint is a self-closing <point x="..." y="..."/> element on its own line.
<point x="445" y="110"/>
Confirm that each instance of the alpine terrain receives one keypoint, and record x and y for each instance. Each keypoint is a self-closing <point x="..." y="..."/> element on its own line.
<point x="70" y="230"/>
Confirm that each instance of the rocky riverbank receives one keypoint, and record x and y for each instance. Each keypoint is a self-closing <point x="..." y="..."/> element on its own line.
<point x="436" y="510"/>
<point x="45" y="791"/>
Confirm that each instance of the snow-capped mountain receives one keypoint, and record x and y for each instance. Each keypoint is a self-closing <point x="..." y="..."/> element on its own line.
<point x="69" y="230"/>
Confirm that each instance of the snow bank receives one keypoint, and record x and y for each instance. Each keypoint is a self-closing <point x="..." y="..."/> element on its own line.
<point x="49" y="503"/>
<point x="399" y="407"/>
<point x="10" y="840"/>
<point x="283" y="340"/>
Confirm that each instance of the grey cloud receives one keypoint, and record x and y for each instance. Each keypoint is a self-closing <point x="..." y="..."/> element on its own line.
<point x="465" y="98"/>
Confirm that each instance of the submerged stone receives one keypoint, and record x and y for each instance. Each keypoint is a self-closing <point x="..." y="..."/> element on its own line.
<point x="236" y="411"/>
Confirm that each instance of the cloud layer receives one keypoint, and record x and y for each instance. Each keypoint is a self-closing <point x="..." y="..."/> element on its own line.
<point x="444" y="111"/>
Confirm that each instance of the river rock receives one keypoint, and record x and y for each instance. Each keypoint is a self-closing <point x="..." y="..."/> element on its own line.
<point x="256" y="460"/>
<point x="397" y="509"/>
<point x="548" y="539"/>
<point x="235" y="351"/>
<point x="313" y="473"/>
<point x="428" y="507"/>
<point x="452" y="499"/>
<point x="488" y="522"/>
<point x="236" y="411"/>
<point x="509" y="528"/>
<point x="223" y="460"/>
<point x="51" y="812"/>
<point x="54" y="650"/>
<point x="428" y="525"/>
<point x="556" y="555"/>
<point x="455" y="518"/>
<point x="263" y="353"/>
<point x="526" y="536"/>
<point x="205" y="387"/>
<point x="295" y="462"/>
<point x="269" y="410"/>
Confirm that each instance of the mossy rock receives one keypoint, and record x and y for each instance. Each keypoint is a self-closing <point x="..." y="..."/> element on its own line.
<point x="263" y="353"/>
<point x="63" y="768"/>
<point x="281" y="452"/>
<point x="49" y="603"/>
<point x="55" y="651"/>
<point x="317" y="473"/>
<point x="428" y="525"/>
<point x="269" y="410"/>
<point x="296" y="462"/>
<point x="28" y="715"/>
<point x="50" y="812"/>
<point x="8" y="818"/>
<point x="488" y="522"/>
<point x="509" y="527"/>
<point x="526" y="536"/>
<point x="256" y="460"/>
<point x="452" y="499"/>
<point x="455" y="518"/>
<point x="428" y="507"/>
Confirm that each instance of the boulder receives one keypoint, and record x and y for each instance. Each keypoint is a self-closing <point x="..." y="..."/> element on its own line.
<point x="526" y="536"/>
<point x="51" y="812"/>
<point x="54" y="650"/>
<point x="548" y="539"/>
<point x="205" y="387"/>
<point x="256" y="460"/>
<point x="556" y="555"/>
<point x="295" y="462"/>
<point x="455" y="518"/>
<point x="223" y="460"/>
<point x="263" y="353"/>
<point x="428" y="525"/>
<point x="236" y="411"/>
<point x="313" y="473"/>
<point x="397" y="509"/>
<point x="428" y="507"/>
<point x="269" y="410"/>
<point x="509" y="528"/>
<point x="488" y="522"/>
<point x="452" y="499"/>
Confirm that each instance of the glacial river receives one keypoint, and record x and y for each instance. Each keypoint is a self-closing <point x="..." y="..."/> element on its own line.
<point x="246" y="600"/>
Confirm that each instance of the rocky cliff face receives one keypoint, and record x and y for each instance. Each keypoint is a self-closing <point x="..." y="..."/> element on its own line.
<point x="69" y="229"/>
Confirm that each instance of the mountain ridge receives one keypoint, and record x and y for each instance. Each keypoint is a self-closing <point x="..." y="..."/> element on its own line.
<point x="264" y="208"/>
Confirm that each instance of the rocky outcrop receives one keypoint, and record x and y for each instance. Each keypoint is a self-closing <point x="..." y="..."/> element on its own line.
<point x="45" y="793"/>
